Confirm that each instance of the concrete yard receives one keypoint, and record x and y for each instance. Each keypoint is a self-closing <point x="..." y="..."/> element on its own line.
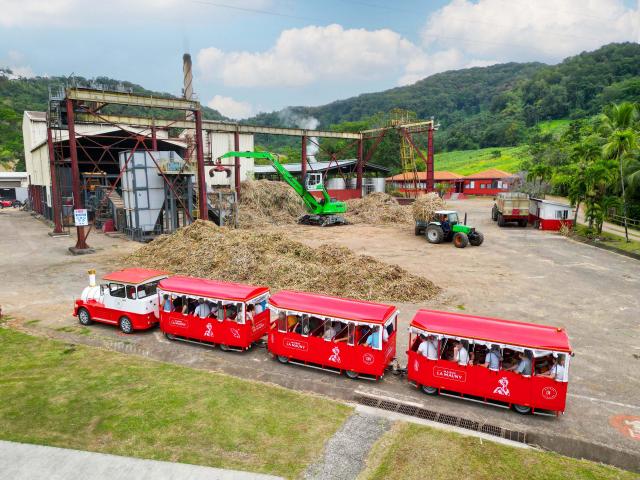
<point x="519" y="274"/>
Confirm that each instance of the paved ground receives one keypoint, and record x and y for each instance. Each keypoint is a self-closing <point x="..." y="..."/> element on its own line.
<point x="520" y="274"/>
<point x="346" y="452"/>
<point x="21" y="461"/>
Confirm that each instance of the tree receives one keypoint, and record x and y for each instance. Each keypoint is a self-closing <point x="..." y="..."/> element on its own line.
<point x="617" y="124"/>
<point x="584" y="153"/>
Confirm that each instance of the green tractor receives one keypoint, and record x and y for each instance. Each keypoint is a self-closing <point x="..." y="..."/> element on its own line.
<point x="437" y="231"/>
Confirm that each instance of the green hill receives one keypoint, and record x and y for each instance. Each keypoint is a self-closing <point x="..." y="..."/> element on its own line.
<point x="466" y="162"/>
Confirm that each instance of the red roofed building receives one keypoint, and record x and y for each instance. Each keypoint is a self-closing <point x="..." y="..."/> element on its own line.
<point x="407" y="182"/>
<point x="489" y="182"/>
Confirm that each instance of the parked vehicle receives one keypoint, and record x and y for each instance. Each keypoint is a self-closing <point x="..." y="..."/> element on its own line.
<point x="232" y="315"/>
<point x="511" y="207"/>
<point x="128" y="299"/>
<point x="445" y="226"/>
<point x="331" y="333"/>
<point x="6" y="203"/>
<point x="488" y="370"/>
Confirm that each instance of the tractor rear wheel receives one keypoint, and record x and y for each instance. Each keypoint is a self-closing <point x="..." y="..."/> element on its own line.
<point x="434" y="234"/>
<point x="494" y="213"/>
<point x="501" y="222"/>
<point x="460" y="240"/>
<point x="417" y="231"/>
<point x="476" y="239"/>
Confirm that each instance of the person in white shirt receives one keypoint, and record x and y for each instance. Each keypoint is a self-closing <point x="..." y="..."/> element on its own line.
<point x="202" y="310"/>
<point x="461" y="353"/>
<point x="329" y="331"/>
<point x="428" y="347"/>
<point x="557" y="370"/>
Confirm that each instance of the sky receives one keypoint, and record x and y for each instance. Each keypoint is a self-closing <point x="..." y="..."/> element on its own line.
<point x="255" y="56"/>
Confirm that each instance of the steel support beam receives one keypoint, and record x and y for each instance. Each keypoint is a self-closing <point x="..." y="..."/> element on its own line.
<point x="359" y="166"/>
<point x="123" y="98"/>
<point x="211" y="125"/>
<point x="55" y="194"/>
<point x="303" y="159"/>
<point x="81" y="243"/>
<point x="430" y="163"/>
<point x="236" y="164"/>
<point x="202" y="181"/>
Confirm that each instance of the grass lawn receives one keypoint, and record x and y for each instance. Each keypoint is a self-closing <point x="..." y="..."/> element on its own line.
<point x="89" y="399"/>
<point x="611" y="239"/>
<point x="410" y="451"/>
<point x="556" y="127"/>
<point x="466" y="162"/>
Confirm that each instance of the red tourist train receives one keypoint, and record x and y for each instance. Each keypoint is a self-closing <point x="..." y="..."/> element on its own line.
<point x="231" y="315"/>
<point x="337" y="334"/>
<point x="520" y="365"/>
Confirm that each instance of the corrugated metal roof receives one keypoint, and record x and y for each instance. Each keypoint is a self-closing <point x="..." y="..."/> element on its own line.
<point x="36" y="116"/>
<point x="8" y="175"/>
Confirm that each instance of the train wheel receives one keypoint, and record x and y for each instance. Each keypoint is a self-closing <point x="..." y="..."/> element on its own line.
<point x="225" y="348"/>
<point x="125" y="325"/>
<point x="429" y="390"/>
<point x="169" y="336"/>
<point x="351" y="374"/>
<point x="522" y="409"/>
<point x="84" y="317"/>
<point x="283" y="359"/>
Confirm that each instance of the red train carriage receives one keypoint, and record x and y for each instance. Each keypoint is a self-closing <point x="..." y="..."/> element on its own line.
<point x="232" y="315"/>
<point x="513" y="364"/>
<point x="332" y="333"/>
<point x="127" y="299"/>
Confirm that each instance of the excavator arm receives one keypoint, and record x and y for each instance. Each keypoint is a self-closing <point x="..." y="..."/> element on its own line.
<point x="314" y="207"/>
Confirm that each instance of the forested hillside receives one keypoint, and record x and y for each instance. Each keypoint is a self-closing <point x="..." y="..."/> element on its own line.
<point x="496" y="106"/>
<point x="22" y="94"/>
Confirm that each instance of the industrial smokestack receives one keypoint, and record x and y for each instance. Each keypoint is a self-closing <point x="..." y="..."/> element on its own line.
<point x="187" y="90"/>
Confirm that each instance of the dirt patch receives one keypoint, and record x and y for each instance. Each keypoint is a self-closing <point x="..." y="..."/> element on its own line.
<point x="273" y="259"/>
<point x="265" y="202"/>
<point x="377" y="209"/>
<point x="425" y="206"/>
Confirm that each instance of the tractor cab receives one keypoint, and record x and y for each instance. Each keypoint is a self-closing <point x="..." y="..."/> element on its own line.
<point x="451" y="216"/>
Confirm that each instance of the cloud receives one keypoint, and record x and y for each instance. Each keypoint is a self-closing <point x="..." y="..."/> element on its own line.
<point x="522" y="30"/>
<point x="301" y="56"/>
<point x="231" y="108"/>
<point x="33" y="13"/>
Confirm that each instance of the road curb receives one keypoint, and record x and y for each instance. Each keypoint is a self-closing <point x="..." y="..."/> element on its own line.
<point x="563" y="445"/>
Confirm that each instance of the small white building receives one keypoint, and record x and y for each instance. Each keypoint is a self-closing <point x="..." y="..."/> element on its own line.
<point x="14" y="186"/>
<point x="550" y="214"/>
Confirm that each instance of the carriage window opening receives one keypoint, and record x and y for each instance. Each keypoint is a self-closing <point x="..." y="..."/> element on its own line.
<point x="543" y="365"/>
<point x="220" y="312"/>
<point x="446" y="350"/>
<point x="239" y="308"/>
<point x="557" y="368"/>
<point x="131" y="292"/>
<point x="282" y="321"/>
<point x="352" y="333"/>
<point x="479" y="354"/>
<point x="509" y="358"/>
<point x="316" y="326"/>
<point x="341" y="331"/>
<point x="304" y="326"/>
<point x="116" y="290"/>
<point x="493" y="358"/>
<point x="147" y="289"/>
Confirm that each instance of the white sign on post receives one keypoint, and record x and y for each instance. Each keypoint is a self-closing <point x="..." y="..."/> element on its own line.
<point x="81" y="217"/>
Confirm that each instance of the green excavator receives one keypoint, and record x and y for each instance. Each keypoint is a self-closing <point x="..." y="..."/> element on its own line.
<point x="324" y="212"/>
